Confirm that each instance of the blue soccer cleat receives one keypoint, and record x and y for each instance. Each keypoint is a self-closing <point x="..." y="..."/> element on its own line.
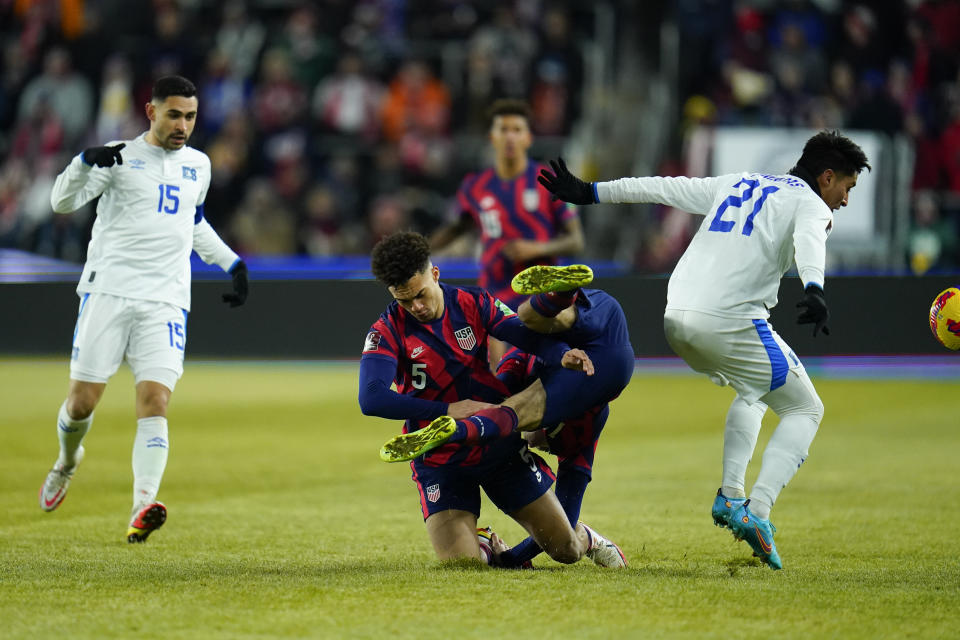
<point x="758" y="533"/>
<point x="723" y="508"/>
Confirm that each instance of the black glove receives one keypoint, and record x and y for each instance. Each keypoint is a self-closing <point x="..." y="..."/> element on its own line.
<point x="103" y="156"/>
<point x="815" y="310"/>
<point x="564" y="185"/>
<point x="240" y="287"/>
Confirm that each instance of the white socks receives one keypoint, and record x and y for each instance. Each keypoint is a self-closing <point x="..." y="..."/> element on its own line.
<point x="150" y="450"/>
<point x="70" y="432"/>
<point x="786" y="451"/>
<point x="739" y="440"/>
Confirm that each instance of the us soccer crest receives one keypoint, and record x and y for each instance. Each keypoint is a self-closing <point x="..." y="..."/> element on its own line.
<point x="465" y="338"/>
<point x="531" y="199"/>
<point x="372" y="342"/>
<point x="433" y="492"/>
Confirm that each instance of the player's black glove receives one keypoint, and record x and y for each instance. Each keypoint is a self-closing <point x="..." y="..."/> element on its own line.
<point x="814" y="309"/>
<point x="240" y="287"/>
<point x="564" y="185"/>
<point x="104" y="156"/>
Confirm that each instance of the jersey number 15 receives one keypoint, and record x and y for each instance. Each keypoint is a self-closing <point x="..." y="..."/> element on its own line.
<point x="725" y="226"/>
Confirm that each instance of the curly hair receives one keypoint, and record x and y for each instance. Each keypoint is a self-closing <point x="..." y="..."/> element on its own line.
<point x="831" y="150"/>
<point x="399" y="257"/>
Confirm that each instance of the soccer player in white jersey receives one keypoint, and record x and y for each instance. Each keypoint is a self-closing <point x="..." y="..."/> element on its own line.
<point x="718" y="299"/>
<point x="135" y="286"/>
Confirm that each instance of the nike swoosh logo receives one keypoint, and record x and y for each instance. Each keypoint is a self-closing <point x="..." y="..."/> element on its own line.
<point x="766" y="546"/>
<point x="52" y="500"/>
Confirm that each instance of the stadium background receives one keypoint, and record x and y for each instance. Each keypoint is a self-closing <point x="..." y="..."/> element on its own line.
<point x="331" y="124"/>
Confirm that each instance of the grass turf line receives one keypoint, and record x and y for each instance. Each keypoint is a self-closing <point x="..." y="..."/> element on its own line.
<point x="284" y="522"/>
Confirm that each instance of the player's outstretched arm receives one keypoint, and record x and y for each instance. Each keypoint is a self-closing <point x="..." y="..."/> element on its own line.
<point x="566" y="186"/>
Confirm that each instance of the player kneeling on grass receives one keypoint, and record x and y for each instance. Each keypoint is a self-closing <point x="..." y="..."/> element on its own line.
<point x="720" y="294"/>
<point x="431" y="342"/>
<point x="561" y="411"/>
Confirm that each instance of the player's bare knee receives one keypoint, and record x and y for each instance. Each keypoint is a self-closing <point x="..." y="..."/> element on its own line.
<point x="566" y="551"/>
<point x="80" y="405"/>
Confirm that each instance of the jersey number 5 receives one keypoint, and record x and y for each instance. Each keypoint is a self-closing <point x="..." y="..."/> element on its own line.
<point x="419" y="375"/>
<point x="725" y="226"/>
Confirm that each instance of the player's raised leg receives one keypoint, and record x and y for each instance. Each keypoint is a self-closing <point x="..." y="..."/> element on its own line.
<point x="73" y="422"/>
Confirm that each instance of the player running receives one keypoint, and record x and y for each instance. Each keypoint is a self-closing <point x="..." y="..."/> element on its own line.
<point x="431" y="341"/>
<point x="520" y="224"/>
<point x="135" y="286"/>
<point x="718" y="301"/>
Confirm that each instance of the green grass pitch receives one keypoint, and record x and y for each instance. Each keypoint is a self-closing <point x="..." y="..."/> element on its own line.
<point x="284" y="523"/>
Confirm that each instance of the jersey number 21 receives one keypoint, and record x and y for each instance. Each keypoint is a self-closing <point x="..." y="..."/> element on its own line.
<point x="726" y="226"/>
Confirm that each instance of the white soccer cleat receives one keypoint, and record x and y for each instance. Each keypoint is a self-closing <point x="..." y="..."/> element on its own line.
<point x="54" y="488"/>
<point x="603" y="552"/>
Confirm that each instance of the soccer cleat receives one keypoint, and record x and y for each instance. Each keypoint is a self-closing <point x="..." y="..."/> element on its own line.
<point x="54" y="488"/>
<point x="493" y="545"/>
<point x="758" y="533"/>
<point x="603" y="552"/>
<point x="146" y="519"/>
<point x="544" y="279"/>
<point x="723" y="508"/>
<point x="485" y="538"/>
<point x="408" y="446"/>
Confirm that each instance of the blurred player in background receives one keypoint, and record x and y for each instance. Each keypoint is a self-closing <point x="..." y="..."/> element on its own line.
<point x="431" y="341"/>
<point x="520" y="224"/>
<point x="135" y="286"/>
<point x="720" y="294"/>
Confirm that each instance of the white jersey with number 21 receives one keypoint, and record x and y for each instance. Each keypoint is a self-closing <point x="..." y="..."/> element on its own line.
<point x="755" y="226"/>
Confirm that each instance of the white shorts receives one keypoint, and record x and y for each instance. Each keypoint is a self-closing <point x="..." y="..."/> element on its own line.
<point x="746" y="354"/>
<point x="151" y="335"/>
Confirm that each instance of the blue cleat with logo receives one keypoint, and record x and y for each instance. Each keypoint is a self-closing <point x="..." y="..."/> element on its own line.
<point x="723" y="508"/>
<point x="758" y="533"/>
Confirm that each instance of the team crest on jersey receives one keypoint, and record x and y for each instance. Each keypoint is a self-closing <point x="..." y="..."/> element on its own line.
<point x="531" y="199"/>
<point x="433" y="492"/>
<point x="504" y="309"/>
<point x="189" y="173"/>
<point x="136" y="163"/>
<point x="372" y="343"/>
<point x="465" y="338"/>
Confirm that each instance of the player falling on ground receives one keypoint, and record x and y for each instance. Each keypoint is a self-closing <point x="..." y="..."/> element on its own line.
<point x="595" y="322"/>
<point x="718" y="302"/>
<point x="431" y="341"/>
<point x="135" y="286"/>
<point x="520" y="224"/>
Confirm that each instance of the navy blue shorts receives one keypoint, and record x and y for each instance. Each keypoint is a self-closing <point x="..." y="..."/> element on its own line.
<point x="570" y="394"/>
<point x="511" y="475"/>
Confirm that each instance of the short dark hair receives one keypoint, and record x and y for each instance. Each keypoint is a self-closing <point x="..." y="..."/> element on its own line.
<point x="831" y="150"/>
<point x="399" y="257"/>
<point x="508" y="107"/>
<point x="168" y="86"/>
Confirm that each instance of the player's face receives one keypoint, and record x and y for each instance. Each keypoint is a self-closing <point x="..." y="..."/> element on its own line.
<point x="421" y="295"/>
<point x="510" y="137"/>
<point x="172" y="121"/>
<point x="835" y="188"/>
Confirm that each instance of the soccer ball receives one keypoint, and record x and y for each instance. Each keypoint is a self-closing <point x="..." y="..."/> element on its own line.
<point x="945" y="318"/>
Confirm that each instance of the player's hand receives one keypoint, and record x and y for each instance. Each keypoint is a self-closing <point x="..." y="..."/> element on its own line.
<point x="463" y="409"/>
<point x="564" y="185"/>
<point x="536" y="439"/>
<point x="521" y="250"/>
<point x="814" y="310"/>
<point x="240" y="285"/>
<point x="104" y="156"/>
<point x="578" y="360"/>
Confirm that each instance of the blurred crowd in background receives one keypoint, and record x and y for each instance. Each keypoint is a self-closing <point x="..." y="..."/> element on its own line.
<point x="890" y="66"/>
<point x="332" y="123"/>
